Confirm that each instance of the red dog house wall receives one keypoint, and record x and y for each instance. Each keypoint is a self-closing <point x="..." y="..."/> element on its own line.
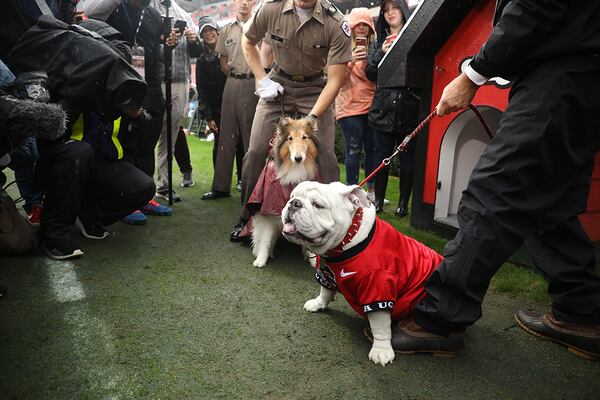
<point x="440" y="37"/>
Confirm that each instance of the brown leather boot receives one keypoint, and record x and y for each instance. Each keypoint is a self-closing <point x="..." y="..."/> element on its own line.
<point x="410" y="338"/>
<point x="583" y="340"/>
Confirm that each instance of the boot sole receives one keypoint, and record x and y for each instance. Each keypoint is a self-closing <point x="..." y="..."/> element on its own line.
<point x="575" y="350"/>
<point x="435" y="353"/>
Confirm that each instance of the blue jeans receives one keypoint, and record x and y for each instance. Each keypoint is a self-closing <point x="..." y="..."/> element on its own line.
<point x="356" y="133"/>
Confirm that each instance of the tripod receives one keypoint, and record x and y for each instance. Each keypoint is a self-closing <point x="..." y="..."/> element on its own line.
<point x="168" y="61"/>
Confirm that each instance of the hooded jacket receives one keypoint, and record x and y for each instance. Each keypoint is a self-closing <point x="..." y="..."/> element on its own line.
<point x="356" y="94"/>
<point x="393" y="109"/>
<point x="102" y="81"/>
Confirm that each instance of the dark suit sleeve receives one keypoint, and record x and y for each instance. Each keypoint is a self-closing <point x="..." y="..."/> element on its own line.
<point x="524" y="25"/>
<point x="202" y="88"/>
<point x="195" y="49"/>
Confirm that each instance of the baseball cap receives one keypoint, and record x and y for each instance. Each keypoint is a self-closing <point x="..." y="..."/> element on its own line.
<point x="205" y="21"/>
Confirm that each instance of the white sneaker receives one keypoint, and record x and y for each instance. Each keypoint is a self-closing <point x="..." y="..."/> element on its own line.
<point x="164" y="194"/>
<point x="187" y="180"/>
<point x="386" y="202"/>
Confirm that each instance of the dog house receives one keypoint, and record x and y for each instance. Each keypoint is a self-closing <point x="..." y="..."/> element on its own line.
<point x="433" y="48"/>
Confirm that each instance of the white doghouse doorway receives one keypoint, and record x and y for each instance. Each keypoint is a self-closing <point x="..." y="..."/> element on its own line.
<point x="463" y="143"/>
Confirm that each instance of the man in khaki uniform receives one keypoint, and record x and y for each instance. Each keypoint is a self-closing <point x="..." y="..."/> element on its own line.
<point x="239" y="100"/>
<point x="306" y="36"/>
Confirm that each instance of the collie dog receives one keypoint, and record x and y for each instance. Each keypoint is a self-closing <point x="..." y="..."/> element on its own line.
<point x="294" y="152"/>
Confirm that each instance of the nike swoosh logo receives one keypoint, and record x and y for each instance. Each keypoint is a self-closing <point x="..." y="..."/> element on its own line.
<point x="345" y="274"/>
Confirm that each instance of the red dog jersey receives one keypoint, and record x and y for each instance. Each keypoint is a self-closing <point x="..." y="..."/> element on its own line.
<point x="386" y="271"/>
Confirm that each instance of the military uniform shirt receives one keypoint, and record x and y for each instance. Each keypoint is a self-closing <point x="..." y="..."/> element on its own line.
<point x="230" y="46"/>
<point x="302" y="49"/>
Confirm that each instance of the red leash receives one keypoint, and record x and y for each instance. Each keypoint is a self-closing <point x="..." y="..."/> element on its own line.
<point x="418" y="129"/>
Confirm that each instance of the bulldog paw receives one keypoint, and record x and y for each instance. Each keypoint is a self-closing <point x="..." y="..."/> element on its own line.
<point x="382" y="353"/>
<point x="260" y="262"/>
<point x="314" y="305"/>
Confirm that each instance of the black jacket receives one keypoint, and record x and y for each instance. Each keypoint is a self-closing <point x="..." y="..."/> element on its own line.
<point x="210" y="82"/>
<point x="148" y="37"/>
<point x="393" y="109"/>
<point x="83" y="68"/>
<point x="528" y="33"/>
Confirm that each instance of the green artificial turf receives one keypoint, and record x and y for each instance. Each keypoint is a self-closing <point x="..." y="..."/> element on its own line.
<point x="174" y="310"/>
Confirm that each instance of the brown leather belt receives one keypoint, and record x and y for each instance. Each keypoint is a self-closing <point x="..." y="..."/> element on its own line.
<point x="297" y="78"/>
<point x="241" y="76"/>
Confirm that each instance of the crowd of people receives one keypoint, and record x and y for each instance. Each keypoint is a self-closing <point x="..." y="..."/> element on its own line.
<point x="82" y="125"/>
<point x="120" y="147"/>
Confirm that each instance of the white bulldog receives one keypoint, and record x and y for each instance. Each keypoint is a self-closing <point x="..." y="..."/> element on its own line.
<point x="318" y="216"/>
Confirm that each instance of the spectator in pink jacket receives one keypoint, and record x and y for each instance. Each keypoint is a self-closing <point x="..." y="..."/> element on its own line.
<point x="354" y="100"/>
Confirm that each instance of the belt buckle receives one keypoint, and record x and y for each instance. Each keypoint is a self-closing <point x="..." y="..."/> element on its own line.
<point x="298" y="78"/>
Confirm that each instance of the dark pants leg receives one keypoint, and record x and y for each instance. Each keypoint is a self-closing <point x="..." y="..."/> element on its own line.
<point x="533" y="179"/>
<point x="407" y="174"/>
<point x="355" y="134"/>
<point x="369" y="143"/>
<point x="23" y="163"/>
<point x="182" y="152"/>
<point x="566" y="258"/>
<point x="138" y="145"/>
<point x="116" y="189"/>
<point x="63" y="172"/>
<point x="384" y="147"/>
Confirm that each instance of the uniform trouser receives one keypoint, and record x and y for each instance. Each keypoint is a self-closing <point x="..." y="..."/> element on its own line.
<point x="138" y="145"/>
<point x="95" y="190"/>
<point x="531" y="182"/>
<point x="237" y="113"/>
<point x="179" y="98"/>
<point x="299" y="97"/>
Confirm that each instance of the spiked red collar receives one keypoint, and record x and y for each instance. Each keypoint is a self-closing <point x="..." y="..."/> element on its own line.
<point x="354" y="227"/>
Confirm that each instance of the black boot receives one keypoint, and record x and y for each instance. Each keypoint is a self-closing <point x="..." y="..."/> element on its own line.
<point x="381" y="180"/>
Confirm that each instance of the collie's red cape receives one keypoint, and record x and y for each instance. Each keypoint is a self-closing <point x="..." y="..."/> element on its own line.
<point x="269" y="195"/>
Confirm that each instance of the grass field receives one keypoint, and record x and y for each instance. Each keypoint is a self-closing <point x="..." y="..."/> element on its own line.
<point x="173" y="310"/>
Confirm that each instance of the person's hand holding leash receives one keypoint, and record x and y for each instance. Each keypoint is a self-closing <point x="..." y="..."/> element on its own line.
<point x="268" y="89"/>
<point x="457" y="95"/>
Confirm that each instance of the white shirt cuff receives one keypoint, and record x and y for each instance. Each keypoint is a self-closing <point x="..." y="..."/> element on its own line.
<point x="475" y="76"/>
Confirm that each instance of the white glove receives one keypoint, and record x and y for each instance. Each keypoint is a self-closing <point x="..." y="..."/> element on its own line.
<point x="268" y="89"/>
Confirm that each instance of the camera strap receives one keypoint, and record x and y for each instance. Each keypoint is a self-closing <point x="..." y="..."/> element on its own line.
<point x="137" y="30"/>
<point x="138" y="60"/>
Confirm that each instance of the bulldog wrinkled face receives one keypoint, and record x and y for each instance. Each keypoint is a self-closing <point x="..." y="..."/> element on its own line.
<point x="317" y="215"/>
